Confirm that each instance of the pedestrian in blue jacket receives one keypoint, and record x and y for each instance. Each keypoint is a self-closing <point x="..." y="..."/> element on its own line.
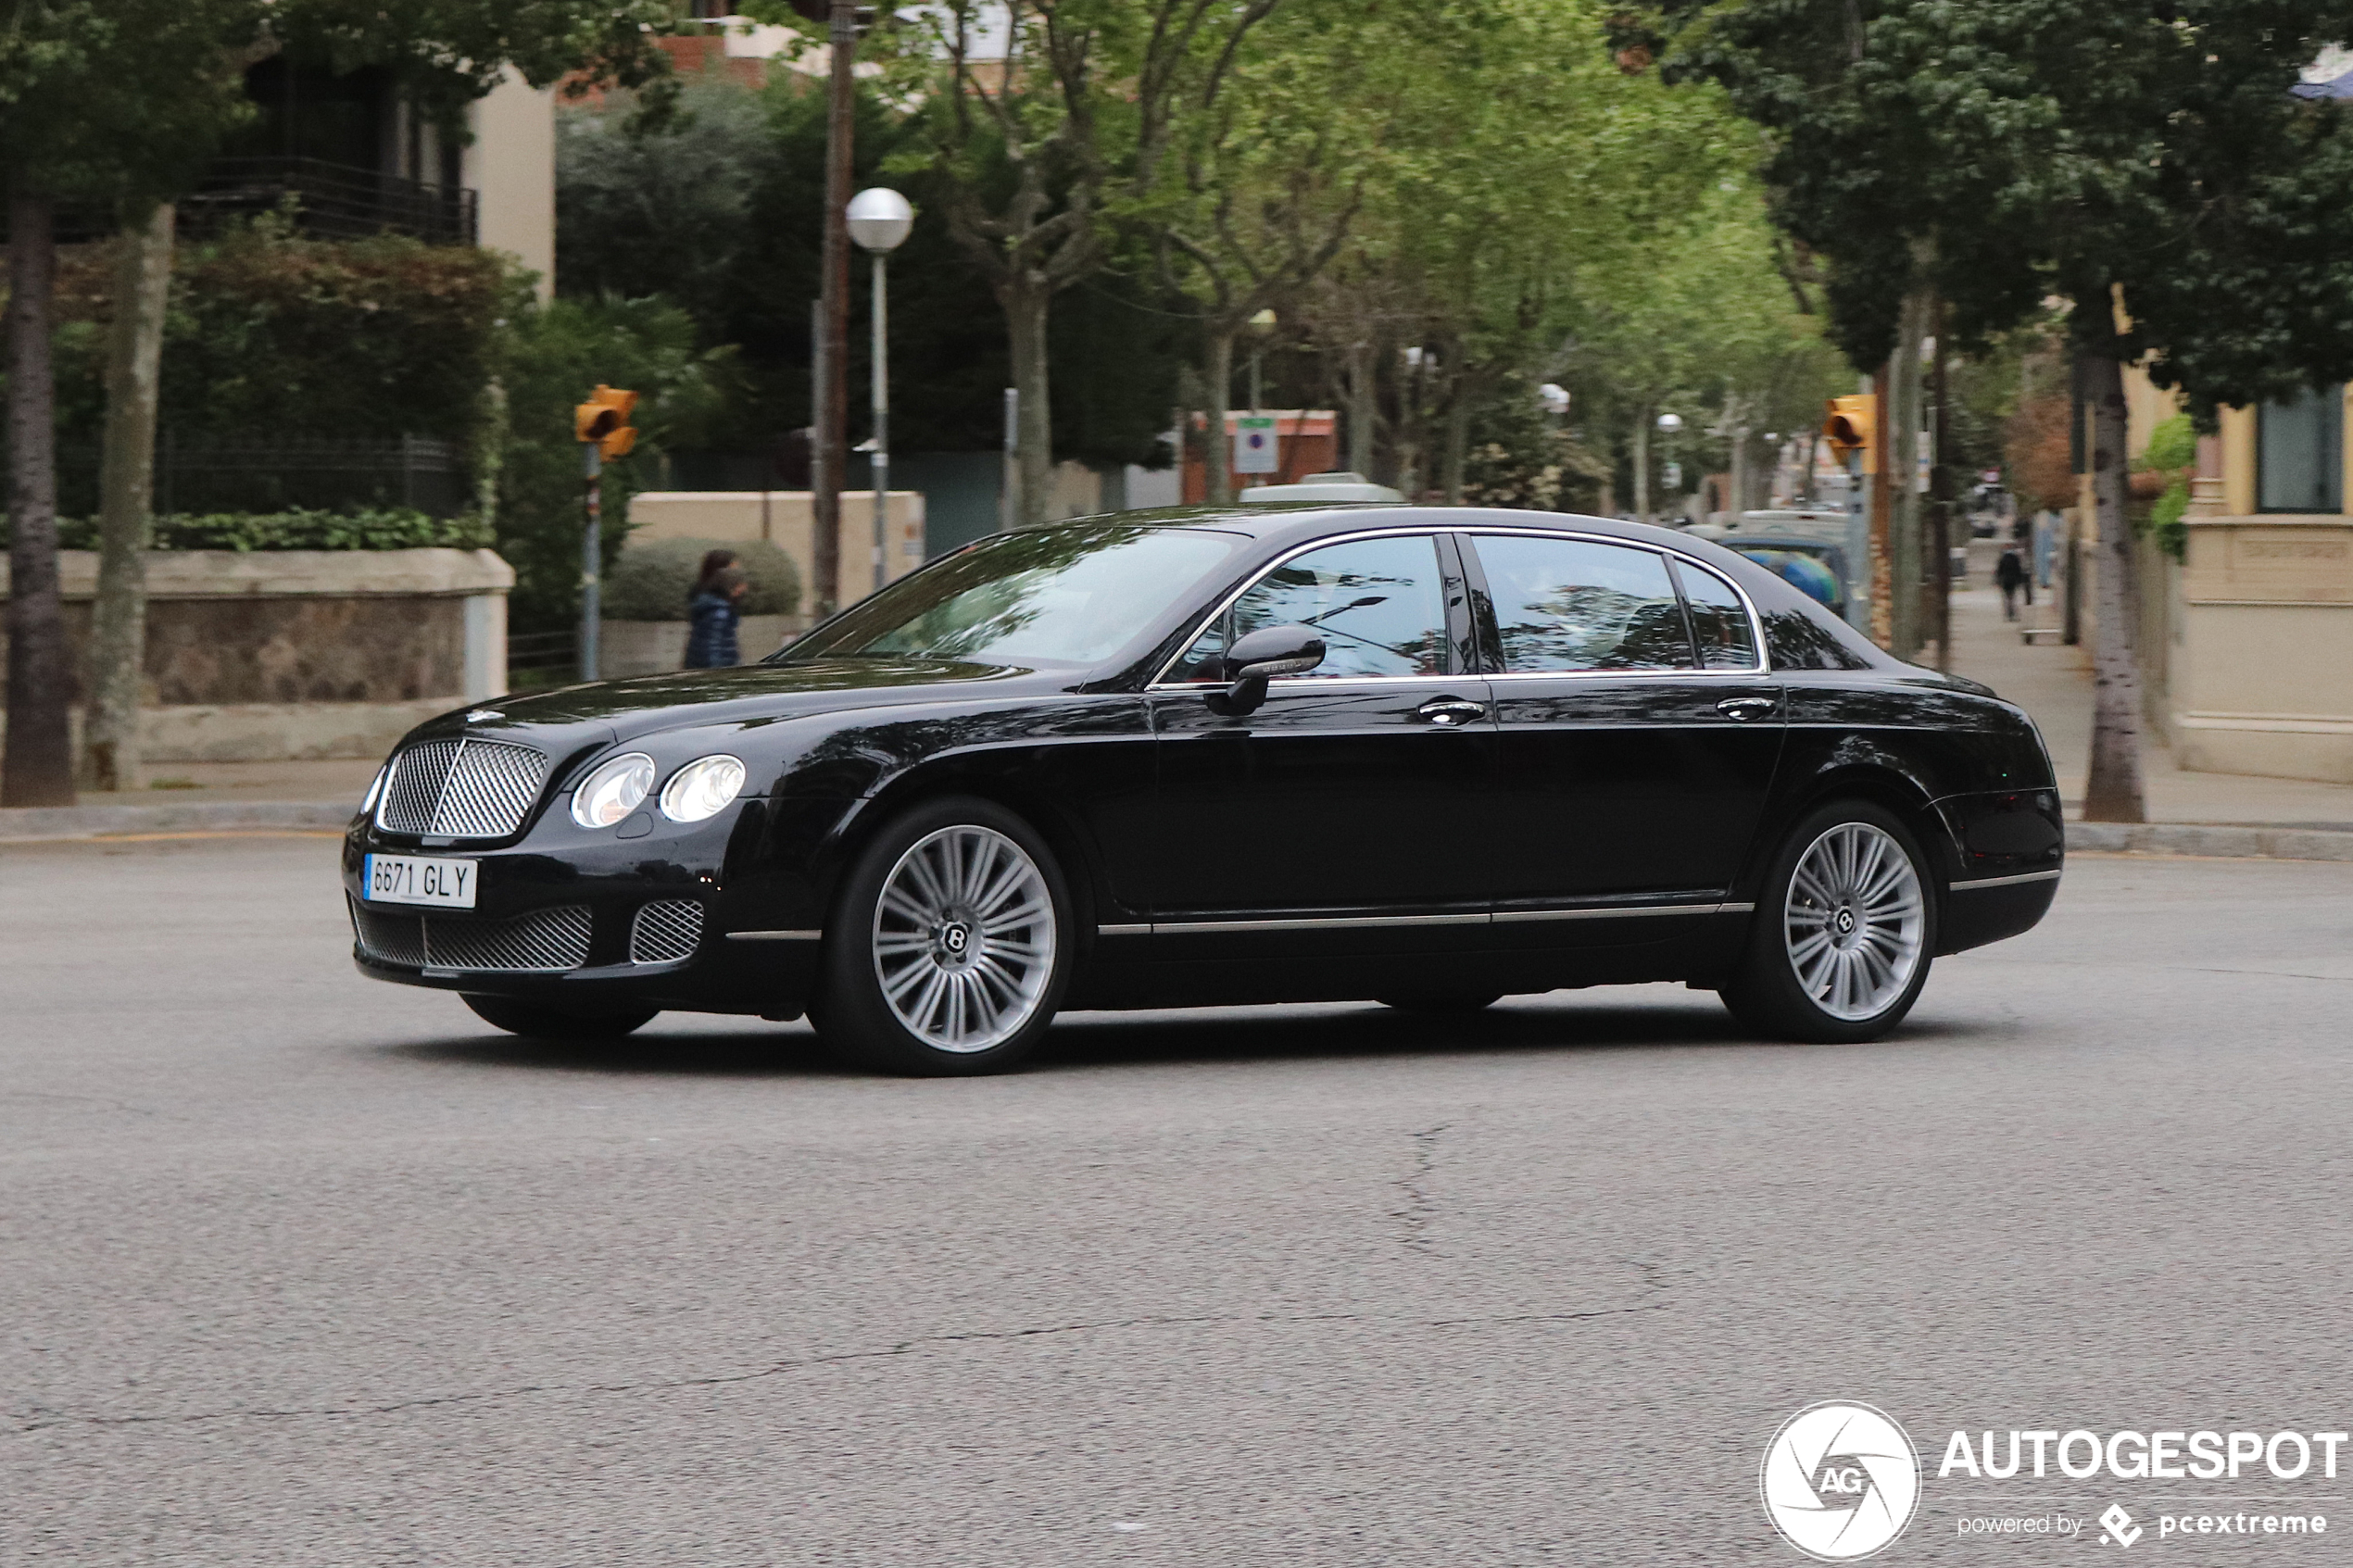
<point x="713" y="607"/>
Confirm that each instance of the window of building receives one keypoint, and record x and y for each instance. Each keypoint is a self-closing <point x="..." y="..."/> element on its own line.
<point x="2300" y="453"/>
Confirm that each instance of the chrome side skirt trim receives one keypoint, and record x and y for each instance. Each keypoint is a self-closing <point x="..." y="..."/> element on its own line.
<point x="775" y="936"/>
<point x="1502" y="917"/>
<point x="1317" y="923"/>
<point x="1359" y="923"/>
<point x="2005" y="880"/>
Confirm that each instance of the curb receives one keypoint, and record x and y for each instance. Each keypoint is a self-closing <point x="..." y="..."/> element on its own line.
<point x="2210" y="840"/>
<point x="29" y="824"/>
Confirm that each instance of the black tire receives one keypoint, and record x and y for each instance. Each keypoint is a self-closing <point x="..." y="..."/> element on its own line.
<point x="1441" y="1004"/>
<point x="540" y="1023"/>
<point x="945" y="974"/>
<point x="1770" y="997"/>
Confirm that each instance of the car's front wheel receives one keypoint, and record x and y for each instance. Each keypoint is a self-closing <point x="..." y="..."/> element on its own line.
<point x="554" y="1024"/>
<point x="950" y="949"/>
<point x="1844" y="928"/>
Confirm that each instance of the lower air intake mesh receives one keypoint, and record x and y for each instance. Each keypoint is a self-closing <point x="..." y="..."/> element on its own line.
<point x="544" y="940"/>
<point x="665" y="931"/>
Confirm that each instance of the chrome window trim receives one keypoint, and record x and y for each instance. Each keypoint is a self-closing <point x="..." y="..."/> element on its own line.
<point x="1160" y="683"/>
<point x="1763" y="665"/>
<point x="2005" y="881"/>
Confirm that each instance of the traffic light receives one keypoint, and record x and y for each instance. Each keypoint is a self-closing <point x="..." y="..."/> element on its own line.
<point x="1850" y="422"/>
<point x="604" y="420"/>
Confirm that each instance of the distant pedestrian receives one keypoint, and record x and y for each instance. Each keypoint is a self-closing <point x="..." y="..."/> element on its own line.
<point x="2010" y="575"/>
<point x="713" y="608"/>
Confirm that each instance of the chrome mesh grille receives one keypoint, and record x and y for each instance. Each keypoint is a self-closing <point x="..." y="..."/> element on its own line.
<point x="465" y="789"/>
<point x="543" y="939"/>
<point x="394" y="938"/>
<point x="665" y="931"/>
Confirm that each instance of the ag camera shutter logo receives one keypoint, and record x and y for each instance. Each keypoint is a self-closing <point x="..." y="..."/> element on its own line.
<point x="1840" y="1481"/>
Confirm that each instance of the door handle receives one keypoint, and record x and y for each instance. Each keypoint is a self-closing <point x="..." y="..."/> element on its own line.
<point x="1450" y="712"/>
<point x="1746" y="707"/>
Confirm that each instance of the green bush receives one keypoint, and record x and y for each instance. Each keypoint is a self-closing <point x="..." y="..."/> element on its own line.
<point x="397" y="529"/>
<point x="652" y="578"/>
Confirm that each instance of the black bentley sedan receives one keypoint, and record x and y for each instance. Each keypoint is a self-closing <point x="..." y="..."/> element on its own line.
<point x="1423" y="757"/>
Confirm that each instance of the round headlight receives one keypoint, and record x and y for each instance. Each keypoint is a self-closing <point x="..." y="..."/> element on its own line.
<point x="614" y="790"/>
<point x="703" y="788"/>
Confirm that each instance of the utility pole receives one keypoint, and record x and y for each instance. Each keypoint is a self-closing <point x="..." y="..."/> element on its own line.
<point x="592" y="557"/>
<point x="832" y="410"/>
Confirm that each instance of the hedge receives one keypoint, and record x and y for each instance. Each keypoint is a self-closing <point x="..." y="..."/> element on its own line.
<point x="395" y="529"/>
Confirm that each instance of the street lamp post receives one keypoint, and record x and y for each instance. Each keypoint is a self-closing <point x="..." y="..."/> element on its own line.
<point x="1262" y="327"/>
<point x="879" y="219"/>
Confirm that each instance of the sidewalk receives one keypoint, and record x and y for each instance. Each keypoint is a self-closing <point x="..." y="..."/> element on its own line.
<point x="207" y="798"/>
<point x="2053" y="682"/>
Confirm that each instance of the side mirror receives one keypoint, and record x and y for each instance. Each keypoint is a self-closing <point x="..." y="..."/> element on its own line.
<point x="1264" y="654"/>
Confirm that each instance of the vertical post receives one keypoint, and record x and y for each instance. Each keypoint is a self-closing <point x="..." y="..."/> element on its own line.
<point x="818" y="454"/>
<point x="592" y="555"/>
<point x="832" y="389"/>
<point x="1009" y="502"/>
<point x="1883" y="586"/>
<point x="882" y="423"/>
<point x="1941" y="489"/>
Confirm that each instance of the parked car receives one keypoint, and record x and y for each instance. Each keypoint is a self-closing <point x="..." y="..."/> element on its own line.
<point x="1429" y="757"/>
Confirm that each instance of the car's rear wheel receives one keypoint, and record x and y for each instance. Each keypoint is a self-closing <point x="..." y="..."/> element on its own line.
<point x="1845" y="925"/>
<point x="554" y="1024"/>
<point x="948" y="952"/>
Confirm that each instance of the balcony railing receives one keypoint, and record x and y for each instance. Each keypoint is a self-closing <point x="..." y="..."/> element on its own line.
<point x="335" y="201"/>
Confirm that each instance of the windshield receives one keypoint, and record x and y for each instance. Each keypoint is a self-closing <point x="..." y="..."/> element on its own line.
<point x="1038" y="596"/>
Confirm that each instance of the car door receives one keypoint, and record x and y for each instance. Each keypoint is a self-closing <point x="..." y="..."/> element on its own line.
<point x="1350" y="804"/>
<point x="1638" y="734"/>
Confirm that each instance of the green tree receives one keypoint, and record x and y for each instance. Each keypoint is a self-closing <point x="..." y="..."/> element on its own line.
<point x="1028" y="150"/>
<point x="119" y="103"/>
<point x="2149" y="165"/>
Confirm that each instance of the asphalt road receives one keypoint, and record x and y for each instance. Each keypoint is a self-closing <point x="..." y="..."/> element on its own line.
<point x="298" y="1268"/>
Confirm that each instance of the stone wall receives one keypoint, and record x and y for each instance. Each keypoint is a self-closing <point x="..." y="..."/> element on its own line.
<point x="275" y="655"/>
<point x="2262" y="677"/>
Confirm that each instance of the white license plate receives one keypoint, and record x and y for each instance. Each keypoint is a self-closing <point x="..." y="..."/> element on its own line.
<point x="414" y="879"/>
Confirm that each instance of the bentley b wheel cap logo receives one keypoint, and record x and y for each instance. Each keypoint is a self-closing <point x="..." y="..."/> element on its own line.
<point x="1840" y="1481"/>
<point x="954" y="937"/>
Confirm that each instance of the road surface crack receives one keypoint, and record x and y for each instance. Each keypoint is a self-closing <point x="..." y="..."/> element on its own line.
<point x="40" y="1418"/>
<point x="1420" y="1207"/>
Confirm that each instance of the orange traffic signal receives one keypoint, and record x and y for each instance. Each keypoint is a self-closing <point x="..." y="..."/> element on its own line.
<point x="1850" y="422"/>
<point x="604" y="420"/>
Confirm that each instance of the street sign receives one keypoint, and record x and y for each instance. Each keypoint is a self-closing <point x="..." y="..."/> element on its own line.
<point x="1254" y="444"/>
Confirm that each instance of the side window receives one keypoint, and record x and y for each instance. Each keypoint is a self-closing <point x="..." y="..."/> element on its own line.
<point x="1718" y="620"/>
<point x="1378" y="602"/>
<point x="1572" y="603"/>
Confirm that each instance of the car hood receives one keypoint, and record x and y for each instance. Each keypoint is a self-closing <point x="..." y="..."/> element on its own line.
<point x="645" y="704"/>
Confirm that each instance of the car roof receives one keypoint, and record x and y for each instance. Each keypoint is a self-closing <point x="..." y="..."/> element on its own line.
<point x="1308" y="520"/>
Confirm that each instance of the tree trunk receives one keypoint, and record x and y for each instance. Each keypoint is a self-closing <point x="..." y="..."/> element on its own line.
<point x="1903" y="423"/>
<point x="1217" y="452"/>
<point x="39" y="760"/>
<point x="1642" y="463"/>
<point x="2112" y="792"/>
<point x="1026" y="297"/>
<point x="1457" y="452"/>
<point x="1360" y="407"/>
<point x="126" y="496"/>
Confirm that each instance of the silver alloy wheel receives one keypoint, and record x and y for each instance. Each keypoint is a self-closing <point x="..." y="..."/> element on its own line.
<point x="1854" y="921"/>
<point x="965" y="938"/>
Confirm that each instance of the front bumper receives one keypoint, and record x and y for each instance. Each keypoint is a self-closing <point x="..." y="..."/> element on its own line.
<point x="579" y="919"/>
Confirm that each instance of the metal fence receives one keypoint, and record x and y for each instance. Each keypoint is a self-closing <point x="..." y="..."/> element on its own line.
<point x="539" y="659"/>
<point x="199" y="474"/>
<point x="334" y="201"/>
